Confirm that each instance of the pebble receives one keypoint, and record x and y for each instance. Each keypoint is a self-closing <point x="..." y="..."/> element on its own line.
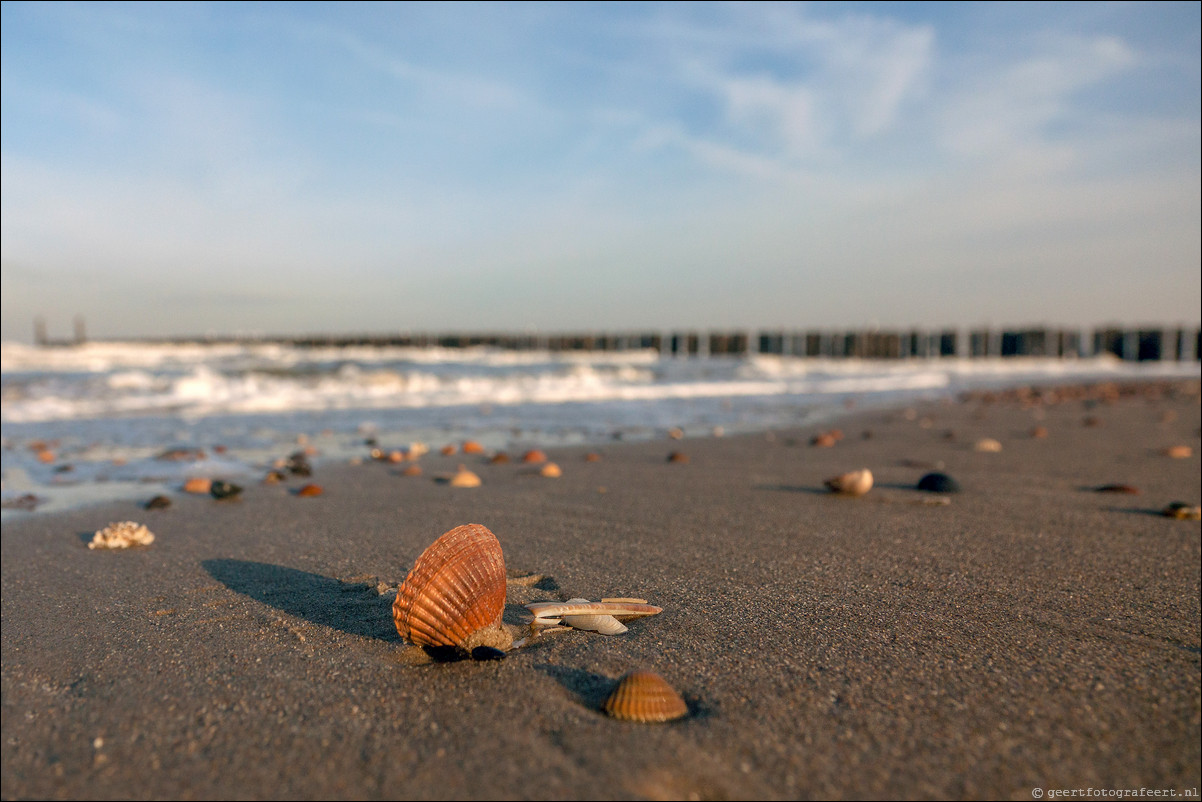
<point x="936" y="482"/>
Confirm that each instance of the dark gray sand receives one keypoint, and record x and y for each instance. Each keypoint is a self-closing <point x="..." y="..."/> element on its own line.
<point x="1031" y="633"/>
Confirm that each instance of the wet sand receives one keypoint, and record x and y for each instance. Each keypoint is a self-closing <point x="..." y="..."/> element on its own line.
<point x="1029" y="633"/>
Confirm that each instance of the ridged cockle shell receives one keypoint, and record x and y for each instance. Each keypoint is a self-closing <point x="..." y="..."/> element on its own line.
<point x="455" y="594"/>
<point x="646" y="697"/>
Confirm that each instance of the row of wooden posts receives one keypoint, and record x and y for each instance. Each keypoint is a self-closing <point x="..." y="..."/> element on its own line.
<point x="1142" y="344"/>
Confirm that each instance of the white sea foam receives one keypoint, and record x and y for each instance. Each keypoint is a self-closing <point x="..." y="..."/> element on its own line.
<point x="123" y="401"/>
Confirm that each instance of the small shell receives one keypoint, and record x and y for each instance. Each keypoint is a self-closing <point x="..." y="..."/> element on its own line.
<point x="823" y="440"/>
<point x="471" y="447"/>
<point x="678" y="457"/>
<point x="308" y="491"/>
<point x="455" y="590"/>
<point x="122" y="536"/>
<point x="412" y="469"/>
<point x="534" y="455"/>
<point x="198" y="484"/>
<point x="855" y="483"/>
<point x="645" y="696"/>
<point x="1179" y="452"/>
<point x="448" y="450"/>
<point x="551" y="471"/>
<point x="988" y="444"/>
<point x="464" y="478"/>
<point x="1182" y="511"/>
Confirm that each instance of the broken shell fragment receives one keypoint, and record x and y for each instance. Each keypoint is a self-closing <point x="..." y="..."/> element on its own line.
<point x="855" y="483"/>
<point x="645" y="696"/>
<point x="549" y="613"/>
<point x="1179" y="452"/>
<point x="122" y="536"/>
<point x="604" y="624"/>
<point x="455" y="594"/>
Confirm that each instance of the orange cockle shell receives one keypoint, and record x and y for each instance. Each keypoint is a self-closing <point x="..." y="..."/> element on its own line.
<point x="645" y="696"/>
<point x="455" y="590"/>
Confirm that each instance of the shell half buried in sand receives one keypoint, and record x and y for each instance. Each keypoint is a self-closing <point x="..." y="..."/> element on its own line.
<point x="646" y="697"/>
<point x="855" y="483"/>
<point x="455" y="594"/>
<point x="122" y="536"/>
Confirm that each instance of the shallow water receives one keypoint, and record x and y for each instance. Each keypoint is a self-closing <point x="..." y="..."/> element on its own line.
<point x="92" y="423"/>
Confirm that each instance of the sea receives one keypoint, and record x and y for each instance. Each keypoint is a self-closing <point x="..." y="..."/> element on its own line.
<point x="105" y="421"/>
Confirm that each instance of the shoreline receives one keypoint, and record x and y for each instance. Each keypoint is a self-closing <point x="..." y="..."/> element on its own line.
<point x="1031" y="632"/>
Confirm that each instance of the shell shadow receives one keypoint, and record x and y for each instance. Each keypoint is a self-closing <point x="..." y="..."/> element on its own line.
<point x="817" y="491"/>
<point x="351" y="607"/>
<point x="590" y="689"/>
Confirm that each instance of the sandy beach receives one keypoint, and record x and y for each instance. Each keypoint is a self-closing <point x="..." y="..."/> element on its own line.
<point x="1028" y="632"/>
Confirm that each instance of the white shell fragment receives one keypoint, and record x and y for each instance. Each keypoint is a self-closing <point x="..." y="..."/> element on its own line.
<point x="582" y="614"/>
<point x="605" y="624"/>
<point x="122" y="536"/>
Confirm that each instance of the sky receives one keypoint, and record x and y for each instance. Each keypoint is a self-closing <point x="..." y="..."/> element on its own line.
<point x="188" y="169"/>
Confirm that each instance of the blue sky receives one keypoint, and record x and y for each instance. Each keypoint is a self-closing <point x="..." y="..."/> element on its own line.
<point x="275" y="168"/>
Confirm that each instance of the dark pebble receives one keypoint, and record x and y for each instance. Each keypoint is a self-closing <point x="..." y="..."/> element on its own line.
<point x="158" y="503"/>
<point x="938" y="483"/>
<point x="224" y="490"/>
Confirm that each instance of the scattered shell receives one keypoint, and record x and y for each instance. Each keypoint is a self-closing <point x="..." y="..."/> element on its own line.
<point x="1091" y="421"/>
<point x="1130" y="490"/>
<point x="412" y="469"/>
<point x="1182" y="511"/>
<point x="274" y="477"/>
<point x="717" y="431"/>
<point x="1179" y="452"/>
<point x="455" y="594"/>
<point x="448" y="450"/>
<point x="823" y="440"/>
<point x="198" y="484"/>
<point x="987" y="444"/>
<point x="677" y="456"/>
<point x="546" y="613"/>
<point x="645" y="696"/>
<point x="46" y="456"/>
<point x="223" y="490"/>
<point x="471" y="447"/>
<point x="938" y="483"/>
<point x="676" y="433"/>
<point x="396" y="456"/>
<point x="551" y="471"/>
<point x="1039" y="432"/>
<point x="309" y="491"/>
<point x="534" y="455"/>
<point x="500" y="458"/>
<point x="464" y="478"/>
<point x="602" y="623"/>
<point x="592" y="456"/>
<point x="855" y="483"/>
<point x="121" y="536"/>
<point x="158" y="503"/>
